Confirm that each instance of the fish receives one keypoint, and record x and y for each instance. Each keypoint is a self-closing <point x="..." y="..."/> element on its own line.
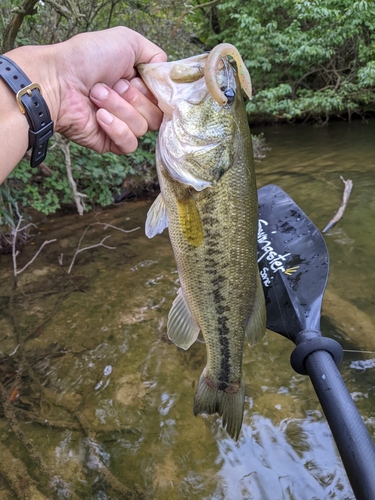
<point x="208" y="202"/>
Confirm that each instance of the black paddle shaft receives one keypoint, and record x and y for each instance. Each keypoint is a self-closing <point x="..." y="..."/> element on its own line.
<point x="293" y="264"/>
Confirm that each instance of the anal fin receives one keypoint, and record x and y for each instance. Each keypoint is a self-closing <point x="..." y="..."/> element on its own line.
<point x="181" y="327"/>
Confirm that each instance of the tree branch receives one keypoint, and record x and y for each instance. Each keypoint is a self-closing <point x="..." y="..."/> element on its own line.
<point x="79" y="249"/>
<point x="15" y="252"/>
<point x="47" y="242"/>
<point x="60" y="9"/>
<point x="78" y="197"/>
<point x="345" y="198"/>
<point x="190" y="9"/>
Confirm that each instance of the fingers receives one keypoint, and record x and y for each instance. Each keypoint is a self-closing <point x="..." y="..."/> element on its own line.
<point x="137" y="95"/>
<point x="106" y="98"/>
<point x="126" y="111"/>
<point x="139" y="84"/>
<point x="129" y="104"/>
<point x="122" y="139"/>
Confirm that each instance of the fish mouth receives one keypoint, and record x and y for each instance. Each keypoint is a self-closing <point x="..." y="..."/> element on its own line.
<point x="193" y="78"/>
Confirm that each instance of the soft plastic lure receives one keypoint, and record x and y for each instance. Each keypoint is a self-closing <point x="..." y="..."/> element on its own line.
<point x="211" y="67"/>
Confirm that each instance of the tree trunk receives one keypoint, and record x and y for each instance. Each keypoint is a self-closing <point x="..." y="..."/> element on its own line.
<point x="26" y="8"/>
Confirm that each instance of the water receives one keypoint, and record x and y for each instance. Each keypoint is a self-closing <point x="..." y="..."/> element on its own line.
<point x="104" y="397"/>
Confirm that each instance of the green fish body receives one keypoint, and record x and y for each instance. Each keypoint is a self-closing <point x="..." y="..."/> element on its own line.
<point x="208" y="201"/>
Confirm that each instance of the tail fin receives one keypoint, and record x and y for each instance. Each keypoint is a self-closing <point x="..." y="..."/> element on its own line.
<point x="228" y="403"/>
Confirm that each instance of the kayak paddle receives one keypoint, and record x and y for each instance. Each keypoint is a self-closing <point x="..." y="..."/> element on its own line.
<point x="293" y="264"/>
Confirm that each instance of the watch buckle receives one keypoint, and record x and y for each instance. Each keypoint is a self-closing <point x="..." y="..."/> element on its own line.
<point x="26" y="90"/>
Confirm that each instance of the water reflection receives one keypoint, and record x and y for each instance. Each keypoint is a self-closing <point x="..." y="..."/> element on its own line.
<point x="295" y="459"/>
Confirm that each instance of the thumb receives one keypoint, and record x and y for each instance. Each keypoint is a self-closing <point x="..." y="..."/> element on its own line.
<point x="147" y="52"/>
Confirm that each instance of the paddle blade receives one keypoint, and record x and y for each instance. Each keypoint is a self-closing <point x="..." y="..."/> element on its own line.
<point x="293" y="264"/>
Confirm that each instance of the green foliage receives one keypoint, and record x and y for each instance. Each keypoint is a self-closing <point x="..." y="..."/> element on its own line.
<point x="307" y="58"/>
<point x="156" y="20"/>
<point x="97" y="176"/>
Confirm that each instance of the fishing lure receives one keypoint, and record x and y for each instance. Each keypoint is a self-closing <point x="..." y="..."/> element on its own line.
<point x="210" y="72"/>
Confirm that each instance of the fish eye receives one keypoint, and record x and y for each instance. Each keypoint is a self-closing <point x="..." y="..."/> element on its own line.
<point x="230" y="95"/>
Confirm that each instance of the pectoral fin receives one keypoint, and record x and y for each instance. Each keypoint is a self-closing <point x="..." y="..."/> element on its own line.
<point x="181" y="327"/>
<point x="256" y="325"/>
<point x="190" y="221"/>
<point x="157" y="218"/>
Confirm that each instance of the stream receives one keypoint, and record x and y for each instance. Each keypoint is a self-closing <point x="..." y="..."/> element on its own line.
<point x="99" y="401"/>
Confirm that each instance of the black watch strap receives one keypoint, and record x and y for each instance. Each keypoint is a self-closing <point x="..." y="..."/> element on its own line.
<point x="31" y="104"/>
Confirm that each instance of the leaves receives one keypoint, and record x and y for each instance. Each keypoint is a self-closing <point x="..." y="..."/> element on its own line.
<point x="99" y="177"/>
<point x="307" y="58"/>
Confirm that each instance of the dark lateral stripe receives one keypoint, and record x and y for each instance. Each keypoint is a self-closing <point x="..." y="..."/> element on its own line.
<point x="223" y="329"/>
<point x="224" y="350"/>
<point x="213" y="254"/>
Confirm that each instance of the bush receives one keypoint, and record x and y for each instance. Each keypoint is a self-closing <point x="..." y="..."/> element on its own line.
<point x="99" y="177"/>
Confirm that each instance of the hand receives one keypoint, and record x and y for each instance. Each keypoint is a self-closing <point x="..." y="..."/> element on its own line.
<point x="99" y="72"/>
<point x="92" y="90"/>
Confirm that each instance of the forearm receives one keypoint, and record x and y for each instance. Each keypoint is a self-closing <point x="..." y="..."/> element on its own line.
<point x="13" y="132"/>
<point x="37" y="64"/>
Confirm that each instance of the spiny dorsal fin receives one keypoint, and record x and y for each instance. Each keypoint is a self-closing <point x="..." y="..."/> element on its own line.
<point x="157" y="218"/>
<point x="181" y="327"/>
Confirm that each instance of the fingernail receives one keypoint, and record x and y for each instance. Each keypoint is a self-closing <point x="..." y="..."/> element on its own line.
<point x="99" y="92"/>
<point x="105" y="116"/>
<point x="121" y="86"/>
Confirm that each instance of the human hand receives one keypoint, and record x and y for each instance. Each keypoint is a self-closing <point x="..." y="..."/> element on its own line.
<point x="99" y="72"/>
<point x="92" y="89"/>
<point x="84" y="82"/>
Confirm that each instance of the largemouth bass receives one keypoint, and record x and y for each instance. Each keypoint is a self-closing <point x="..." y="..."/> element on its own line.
<point x="208" y="201"/>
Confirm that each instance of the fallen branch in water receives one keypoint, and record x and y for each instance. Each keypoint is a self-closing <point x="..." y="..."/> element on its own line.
<point x="75" y="406"/>
<point x="356" y="326"/>
<point x="15" y="252"/>
<point x="17" y="476"/>
<point x="345" y="198"/>
<point x="101" y="244"/>
<point x="33" y="452"/>
<point x="79" y="250"/>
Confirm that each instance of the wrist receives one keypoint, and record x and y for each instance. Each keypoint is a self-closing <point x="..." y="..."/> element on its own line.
<point x="38" y="63"/>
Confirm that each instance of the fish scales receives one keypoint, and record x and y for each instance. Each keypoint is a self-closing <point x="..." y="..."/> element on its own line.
<point x="209" y="203"/>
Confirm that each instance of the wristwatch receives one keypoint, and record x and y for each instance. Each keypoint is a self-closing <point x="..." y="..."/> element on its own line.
<point x="32" y="105"/>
